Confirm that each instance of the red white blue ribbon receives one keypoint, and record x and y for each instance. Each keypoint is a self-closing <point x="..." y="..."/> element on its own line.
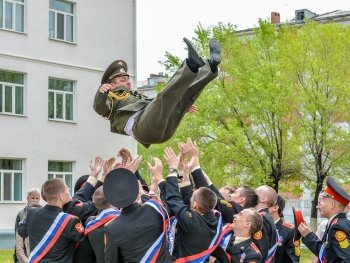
<point x="202" y="256"/>
<point x="272" y="251"/>
<point x="153" y="252"/>
<point x="104" y="217"/>
<point x="50" y="238"/>
<point x="322" y="254"/>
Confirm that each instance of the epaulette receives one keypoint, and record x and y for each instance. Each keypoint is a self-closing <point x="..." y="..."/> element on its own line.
<point x="256" y="249"/>
<point x="288" y="225"/>
<point x="223" y="201"/>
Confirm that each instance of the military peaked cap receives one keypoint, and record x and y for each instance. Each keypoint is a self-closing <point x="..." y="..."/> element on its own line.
<point x="116" y="69"/>
<point x="334" y="191"/>
<point x="121" y="187"/>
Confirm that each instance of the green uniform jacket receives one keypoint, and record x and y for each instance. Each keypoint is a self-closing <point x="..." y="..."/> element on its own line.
<point x="118" y="106"/>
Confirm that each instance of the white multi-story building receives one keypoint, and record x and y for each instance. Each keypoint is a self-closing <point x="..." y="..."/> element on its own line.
<point x="52" y="57"/>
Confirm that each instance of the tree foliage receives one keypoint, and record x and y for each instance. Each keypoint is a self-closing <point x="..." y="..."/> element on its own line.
<point x="278" y="110"/>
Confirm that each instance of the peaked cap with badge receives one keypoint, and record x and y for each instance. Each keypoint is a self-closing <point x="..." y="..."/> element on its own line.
<point x="334" y="191"/>
<point x="115" y="69"/>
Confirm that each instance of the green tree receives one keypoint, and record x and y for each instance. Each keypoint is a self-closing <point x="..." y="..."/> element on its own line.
<point x="317" y="57"/>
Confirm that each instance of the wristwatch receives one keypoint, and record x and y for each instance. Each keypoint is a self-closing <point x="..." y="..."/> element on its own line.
<point x="172" y="170"/>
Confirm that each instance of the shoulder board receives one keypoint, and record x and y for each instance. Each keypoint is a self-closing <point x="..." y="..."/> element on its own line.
<point x="256" y="249"/>
<point x="288" y="225"/>
<point x="223" y="201"/>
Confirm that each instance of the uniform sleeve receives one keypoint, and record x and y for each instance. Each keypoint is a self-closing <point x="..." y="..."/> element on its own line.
<point x="199" y="179"/>
<point x="186" y="194"/>
<point x="112" y="252"/>
<point x="339" y="240"/>
<point x="76" y="230"/>
<point x="85" y="193"/>
<point x="313" y="243"/>
<point x="102" y="104"/>
<point x="186" y="218"/>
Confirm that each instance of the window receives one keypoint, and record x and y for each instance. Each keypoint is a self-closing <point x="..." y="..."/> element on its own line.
<point x="63" y="170"/>
<point x="61" y="19"/>
<point x="12" y="15"/>
<point x="10" y="180"/>
<point x="11" y="93"/>
<point x="61" y="100"/>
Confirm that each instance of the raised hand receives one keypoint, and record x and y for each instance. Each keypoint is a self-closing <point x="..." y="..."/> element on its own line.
<point x="124" y="154"/>
<point x="171" y="158"/>
<point x="156" y="171"/>
<point x="96" y="166"/>
<point x="133" y="165"/>
<point x="108" y="166"/>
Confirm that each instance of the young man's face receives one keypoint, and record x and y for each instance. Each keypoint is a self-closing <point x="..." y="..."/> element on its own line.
<point x="33" y="199"/>
<point x="325" y="205"/>
<point x="240" y="220"/>
<point x="121" y="81"/>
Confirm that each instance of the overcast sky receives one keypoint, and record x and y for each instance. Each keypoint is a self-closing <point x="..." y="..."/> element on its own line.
<point x="161" y="24"/>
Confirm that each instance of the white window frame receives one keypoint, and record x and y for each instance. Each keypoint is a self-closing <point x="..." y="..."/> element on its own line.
<point x="63" y="93"/>
<point x="14" y="18"/>
<point x="63" y="175"/>
<point x="12" y="172"/>
<point x="65" y="14"/>
<point x="13" y="87"/>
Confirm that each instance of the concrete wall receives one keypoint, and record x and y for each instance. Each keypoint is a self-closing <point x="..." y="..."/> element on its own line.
<point x="105" y="31"/>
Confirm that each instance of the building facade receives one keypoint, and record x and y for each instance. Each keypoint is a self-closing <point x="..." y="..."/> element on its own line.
<point x="52" y="57"/>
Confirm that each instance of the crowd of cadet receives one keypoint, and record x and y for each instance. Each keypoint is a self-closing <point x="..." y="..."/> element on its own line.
<point x="114" y="216"/>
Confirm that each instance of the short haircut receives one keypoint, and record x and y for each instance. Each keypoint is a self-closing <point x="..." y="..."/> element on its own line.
<point x="251" y="198"/>
<point x="206" y="199"/>
<point x="99" y="199"/>
<point x="271" y="195"/>
<point x="52" y="188"/>
<point x="33" y="191"/>
<point x="256" y="221"/>
<point x="281" y="202"/>
<point x="229" y="188"/>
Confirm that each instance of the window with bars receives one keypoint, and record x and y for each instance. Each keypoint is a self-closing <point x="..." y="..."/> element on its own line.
<point x="61" y="100"/>
<point x="11" y="180"/>
<point x="11" y="93"/>
<point x="63" y="170"/>
<point x="12" y="15"/>
<point x="61" y="20"/>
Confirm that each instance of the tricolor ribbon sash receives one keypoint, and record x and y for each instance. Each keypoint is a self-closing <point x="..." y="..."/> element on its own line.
<point x="272" y="251"/>
<point x="322" y="254"/>
<point x="202" y="256"/>
<point x="153" y="252"/>
<point x="50" y="238"/>
<point x="171" y="233"/>
<point x="104" y="217"/>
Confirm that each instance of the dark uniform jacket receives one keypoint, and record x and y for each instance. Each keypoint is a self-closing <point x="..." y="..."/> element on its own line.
<point x="81" y="204"/>
<point x="195" y="232"/>
<point x="267" y="236"/>
<point x="288" y="251"/>
<point x="38" y="222"/>
<point x="227" y="209"/>
<point x="336" y="239"/>
<point x="96" y="241"/>
<point x="131" y="234"/>
<point x="245" y="251"/>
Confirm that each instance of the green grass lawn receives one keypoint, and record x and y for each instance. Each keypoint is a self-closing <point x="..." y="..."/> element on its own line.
<point x="6" y="256"/>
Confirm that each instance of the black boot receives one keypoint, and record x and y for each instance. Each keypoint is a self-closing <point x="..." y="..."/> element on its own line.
<point x="215" y="55"/>
<point x="194" y="61"/>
